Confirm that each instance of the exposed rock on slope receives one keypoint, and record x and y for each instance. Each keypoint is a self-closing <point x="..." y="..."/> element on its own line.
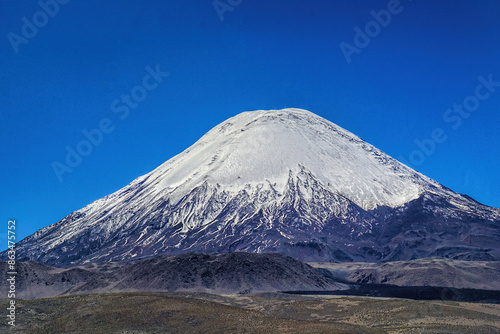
<point x="284" y="181"/>
<point x="228" y="273"/>
<point x="422" y="272"/>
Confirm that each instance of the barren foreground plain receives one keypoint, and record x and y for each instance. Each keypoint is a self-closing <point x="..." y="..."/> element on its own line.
<point x="197" y="312"/>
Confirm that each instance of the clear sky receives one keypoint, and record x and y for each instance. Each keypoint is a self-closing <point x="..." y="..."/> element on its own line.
<point x="391" y="83"/>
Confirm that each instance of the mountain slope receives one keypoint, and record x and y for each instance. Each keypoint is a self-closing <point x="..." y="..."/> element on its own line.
<point x="422" y="272"/>
<point x="283" y="181"/>
<point x="227" y="273"/>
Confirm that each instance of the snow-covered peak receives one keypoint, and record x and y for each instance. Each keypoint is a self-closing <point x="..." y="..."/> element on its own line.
<point x="284" y="181"/>
<point x="264" y="146"/>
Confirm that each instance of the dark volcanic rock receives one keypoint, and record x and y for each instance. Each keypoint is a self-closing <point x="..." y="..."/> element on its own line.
<point x="228" y="273"/>
<point x="458" y="274"/>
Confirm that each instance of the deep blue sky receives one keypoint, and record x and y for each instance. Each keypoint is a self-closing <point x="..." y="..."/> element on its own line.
<point x="265" y="54"/>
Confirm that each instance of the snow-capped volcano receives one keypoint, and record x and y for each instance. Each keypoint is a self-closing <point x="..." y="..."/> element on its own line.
<point x="267" y="146"/>
<point x="283" y="181"/>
